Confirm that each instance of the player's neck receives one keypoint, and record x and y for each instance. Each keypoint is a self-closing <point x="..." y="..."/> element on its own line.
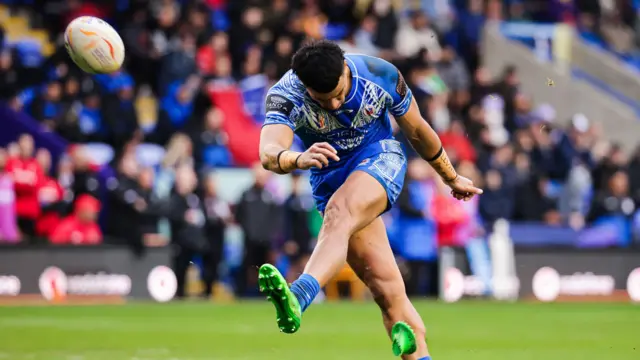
<point x="349" y="80"/>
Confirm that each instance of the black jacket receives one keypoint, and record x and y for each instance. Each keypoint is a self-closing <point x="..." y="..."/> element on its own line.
<point x="188" y="220"/>
<point x="259" y="215"/>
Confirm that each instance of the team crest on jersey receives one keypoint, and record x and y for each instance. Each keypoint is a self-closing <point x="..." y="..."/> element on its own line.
<point x="317" y="119"/>
<point x="373" y="102"/>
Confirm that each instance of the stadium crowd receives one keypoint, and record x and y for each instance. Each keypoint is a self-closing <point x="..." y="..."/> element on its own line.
<point x="532" y="169"/>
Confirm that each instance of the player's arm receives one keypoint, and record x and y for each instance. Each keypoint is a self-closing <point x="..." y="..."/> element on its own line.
<point x="426" y="142"/>
<point x="422" y="137"/>
<point x="428" y="145"/>
<point x="276" y="139"/>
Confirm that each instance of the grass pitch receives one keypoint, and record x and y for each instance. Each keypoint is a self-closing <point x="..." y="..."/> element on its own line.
<point x="199" y="331"/>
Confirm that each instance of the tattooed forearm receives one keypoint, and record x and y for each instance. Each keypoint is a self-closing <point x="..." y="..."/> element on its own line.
<point x="443" y="166"/>
<point x="282" y="164"/>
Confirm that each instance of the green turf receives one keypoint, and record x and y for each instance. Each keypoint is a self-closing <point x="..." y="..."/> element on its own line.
<point x="463" y="331"/>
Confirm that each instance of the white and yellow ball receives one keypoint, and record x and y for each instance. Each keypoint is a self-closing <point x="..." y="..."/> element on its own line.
<point x="94" y="45"/>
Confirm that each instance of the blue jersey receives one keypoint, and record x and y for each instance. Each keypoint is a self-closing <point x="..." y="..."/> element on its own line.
<point x="360" y="130"/>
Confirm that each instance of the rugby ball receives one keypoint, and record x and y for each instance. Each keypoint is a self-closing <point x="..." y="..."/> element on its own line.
<point x="94" y="45"/>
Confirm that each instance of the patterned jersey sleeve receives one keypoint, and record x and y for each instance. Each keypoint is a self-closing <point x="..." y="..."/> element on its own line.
<point x="278" y="108"/>
<point x="392" y="81"/>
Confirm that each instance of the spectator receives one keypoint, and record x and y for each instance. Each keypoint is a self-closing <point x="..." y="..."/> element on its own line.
<point x="85" y="175"/>
<point x="634" y="174"/>
<point x="210" y="142"/>
<point x="575" y="147"/>
<point x="176" y="107"/>
<point x="387" y="20"/>
<point x="497" y="201"/>
<point x="298" y="208"/>
<point x="81" y="227"/>
<point x="615" y="200"/>
<point x="470" y="23"/>
<point x="142" y="57"/>
<point x="415" y="35"/>
<point x="125" y="204"/>
<point x="417" y="229"/>
<point x="148" y="223"/>
<point x="258" y="215"/>
<point x="8" y="229"/>
<point x="364" y="35"/>
<point x="247" y="26"/>
<point x="281" y="59"/>
<point x="27" y="175"/>
<point x="9" y="76"/>
<point x="452" y="70"/>
<point x="87" y="123"/>
<point x="179" y="64"/>
<point x="50" y="197"/>
<point x="614" y="161"/>
<point x="185" y="210"/>
<point x="456" y="140"/>
<point x="218" y="215"/>
<point x="48" y="107"/>
<point x="119" y="115"/>
<point x="207" y="55"/>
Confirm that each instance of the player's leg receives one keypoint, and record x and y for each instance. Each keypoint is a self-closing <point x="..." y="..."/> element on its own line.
<point x="360" y="200"/>
<point x="371" y="258"/>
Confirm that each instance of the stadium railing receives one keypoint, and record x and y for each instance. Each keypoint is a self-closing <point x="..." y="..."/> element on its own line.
<point x="601" y="66"/>
<point x="546" y="75"/>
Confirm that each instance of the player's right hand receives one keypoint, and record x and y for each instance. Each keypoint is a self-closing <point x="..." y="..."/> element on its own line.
<point x="317" y="156"/>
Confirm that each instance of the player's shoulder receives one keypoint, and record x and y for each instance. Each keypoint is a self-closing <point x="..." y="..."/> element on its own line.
<point x="283" y="97"/>
<point x="288" y="87"/>
<point x="374" y="69"/>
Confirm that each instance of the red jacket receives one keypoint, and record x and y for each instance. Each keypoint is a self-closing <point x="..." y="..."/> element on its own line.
<point x="449" y="214"/>
<point x="49" y="193"/>
<point x="461" y="144"/>
<point x="73" y="231"/>
<point x="206" y="60"/>
<point x="27" y="176"/>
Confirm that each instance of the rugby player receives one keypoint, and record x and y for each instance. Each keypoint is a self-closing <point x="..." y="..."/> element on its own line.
<point x="340" y="106"/>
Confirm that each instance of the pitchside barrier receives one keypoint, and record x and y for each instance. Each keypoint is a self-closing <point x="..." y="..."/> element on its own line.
<point x="75" y="274"/>
<point x="548" y="275"/>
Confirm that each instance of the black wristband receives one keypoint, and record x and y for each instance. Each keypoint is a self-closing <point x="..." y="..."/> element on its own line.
<point x="437" y="155"/>
<point x="298" y="157"/>
<point x="278" y="160"/>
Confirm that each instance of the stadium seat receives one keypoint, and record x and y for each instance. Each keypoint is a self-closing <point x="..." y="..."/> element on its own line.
<point x="99" y="153"/>
<point x="149" y="155"/>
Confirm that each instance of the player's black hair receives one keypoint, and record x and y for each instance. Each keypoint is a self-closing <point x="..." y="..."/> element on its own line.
<point x="319" y="65"/>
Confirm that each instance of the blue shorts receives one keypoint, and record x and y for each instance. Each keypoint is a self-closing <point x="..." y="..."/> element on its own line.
<point x="384" y="160"/>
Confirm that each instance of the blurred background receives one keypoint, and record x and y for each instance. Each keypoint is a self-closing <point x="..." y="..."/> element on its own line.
<point x="106" y="179"/>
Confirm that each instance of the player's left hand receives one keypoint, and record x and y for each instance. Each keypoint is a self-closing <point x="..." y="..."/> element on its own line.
<point x="463" y="188"/>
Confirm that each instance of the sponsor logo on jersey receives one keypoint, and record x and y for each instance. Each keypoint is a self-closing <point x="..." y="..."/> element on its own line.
<point x="279" y="104"/>
<point x="162" y="284"/>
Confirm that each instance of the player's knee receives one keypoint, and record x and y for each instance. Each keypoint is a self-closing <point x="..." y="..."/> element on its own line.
<point x="337" y="215"/>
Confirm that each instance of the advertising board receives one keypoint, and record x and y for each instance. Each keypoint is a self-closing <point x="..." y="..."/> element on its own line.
<point x="555" y="275"/>
<point x="104" y="273"/>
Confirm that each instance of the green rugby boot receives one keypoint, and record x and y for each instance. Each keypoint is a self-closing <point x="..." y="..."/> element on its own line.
<point x="403" y="338"/>
<point x="288" y="310"/>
